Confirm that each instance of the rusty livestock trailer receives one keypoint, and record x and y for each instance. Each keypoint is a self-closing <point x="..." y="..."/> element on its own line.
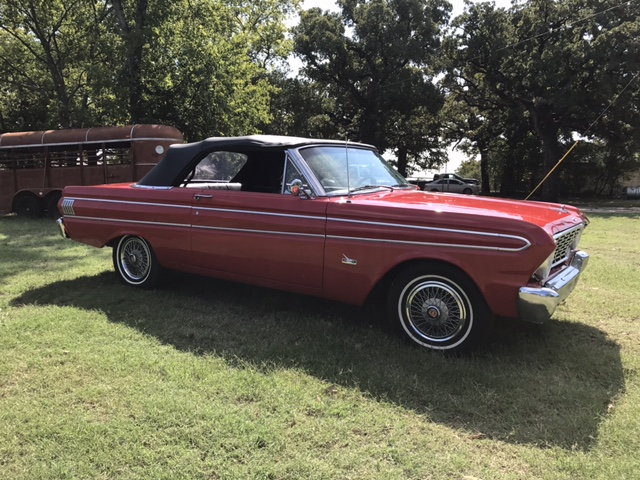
<point x="36" y="166"/>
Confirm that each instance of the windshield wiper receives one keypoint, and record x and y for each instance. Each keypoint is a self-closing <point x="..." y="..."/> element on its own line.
<point x="369" y="187"/>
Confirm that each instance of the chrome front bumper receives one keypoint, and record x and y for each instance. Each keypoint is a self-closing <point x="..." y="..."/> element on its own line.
<point x="538" y="304"/>
<point x="63" y="230"/>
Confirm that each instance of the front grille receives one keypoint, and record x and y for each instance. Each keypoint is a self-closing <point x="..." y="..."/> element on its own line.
<point x="565" y="242"/>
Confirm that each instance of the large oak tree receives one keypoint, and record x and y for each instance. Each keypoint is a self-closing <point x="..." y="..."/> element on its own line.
<point x="562" y="63"/>
<point x="374" y="60"/>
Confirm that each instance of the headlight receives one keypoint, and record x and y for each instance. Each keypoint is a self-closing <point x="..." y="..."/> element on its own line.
<point x="543" y="270"/>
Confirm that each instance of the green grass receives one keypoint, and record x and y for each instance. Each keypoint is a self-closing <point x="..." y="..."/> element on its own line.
<point x="206" y="379"/>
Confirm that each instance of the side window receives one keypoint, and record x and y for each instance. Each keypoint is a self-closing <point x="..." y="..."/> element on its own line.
<point x="219" y="166"/>
<point x="292" y="173"/>
<point x="216" y="171"/>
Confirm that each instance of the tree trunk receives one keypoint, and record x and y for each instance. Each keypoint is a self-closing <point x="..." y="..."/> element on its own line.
<point x="547" y="131"/>
<point x="552" y="154"/>
<point x="484" y="169"/>
<point x="134" y="40"/>
<point x="402" y="160"/>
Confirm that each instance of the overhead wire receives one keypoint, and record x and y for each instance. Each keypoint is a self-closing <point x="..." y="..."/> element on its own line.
<point x="551" y="31"/>
<point x="584" y="134"/>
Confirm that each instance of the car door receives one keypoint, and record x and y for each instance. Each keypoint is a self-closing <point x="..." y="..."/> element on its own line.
<point x="455" y="186"/>
<point x="267" y="237"/>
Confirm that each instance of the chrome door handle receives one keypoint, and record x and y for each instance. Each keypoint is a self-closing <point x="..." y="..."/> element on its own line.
<point x="198" y="196"/>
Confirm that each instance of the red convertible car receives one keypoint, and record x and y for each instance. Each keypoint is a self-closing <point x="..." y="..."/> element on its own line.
<point x="334" y="220"/>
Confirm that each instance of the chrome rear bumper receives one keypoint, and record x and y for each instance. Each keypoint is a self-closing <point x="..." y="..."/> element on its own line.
<point x="538" y="304"/>
<point x="63" y="230"/>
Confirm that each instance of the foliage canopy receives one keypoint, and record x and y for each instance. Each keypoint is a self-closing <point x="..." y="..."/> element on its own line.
<point x="515" y="86"/>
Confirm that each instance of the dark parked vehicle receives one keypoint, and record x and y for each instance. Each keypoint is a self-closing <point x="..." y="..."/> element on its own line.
<point x="451" y="185"/>
<point x="440" y="176"/>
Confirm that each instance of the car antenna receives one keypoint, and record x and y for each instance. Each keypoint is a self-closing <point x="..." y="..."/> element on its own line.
<point x="346" y="152"/>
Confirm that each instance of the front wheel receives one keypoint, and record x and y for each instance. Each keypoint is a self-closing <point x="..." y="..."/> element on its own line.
<point x="467" y="191"/>
<point x="438" y="307"/>
<point x="135" y="262"/>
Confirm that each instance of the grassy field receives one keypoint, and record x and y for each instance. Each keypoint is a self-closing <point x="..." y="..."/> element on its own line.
<point x="205" y="379"/>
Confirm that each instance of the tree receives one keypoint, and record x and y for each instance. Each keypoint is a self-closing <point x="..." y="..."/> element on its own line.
<point x="47" y="58"/>
<point x="560" y="62"/>
<point x="373" y="60"/>
<point x="201" y="65"/>
<point x="469" y="169"/>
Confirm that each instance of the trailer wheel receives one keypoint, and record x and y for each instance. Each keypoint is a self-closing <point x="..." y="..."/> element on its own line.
<point x="52" y="205"/>
<point x="28" y="206"/>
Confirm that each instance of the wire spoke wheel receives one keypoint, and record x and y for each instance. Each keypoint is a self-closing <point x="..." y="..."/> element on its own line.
<point x="135" y="259"/>
<point x="435" y="311"/>
<point x="135" y="262"/>
<point x="438" y="307"/>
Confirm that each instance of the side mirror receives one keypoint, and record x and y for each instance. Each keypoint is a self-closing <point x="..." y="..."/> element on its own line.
<point x="298" y="189"/>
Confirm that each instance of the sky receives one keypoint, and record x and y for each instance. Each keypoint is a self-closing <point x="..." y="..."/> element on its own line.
<point x="455" y="157"/>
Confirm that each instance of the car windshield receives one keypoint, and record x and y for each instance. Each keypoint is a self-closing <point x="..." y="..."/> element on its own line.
<point x="366" y="169"/>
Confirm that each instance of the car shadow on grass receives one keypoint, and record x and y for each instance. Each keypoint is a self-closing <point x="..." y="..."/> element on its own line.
<point x="548" y="385"/>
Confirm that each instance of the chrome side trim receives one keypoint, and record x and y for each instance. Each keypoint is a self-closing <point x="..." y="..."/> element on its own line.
<point x="264" y="232"/>
<point x="267" y="214"/>
<point x="310" y="235"/>
<point x="149" y="187"/>
<point x="538" y="304"/>
<point x="202" y="227"/>
<point x="141" y="222"/>
<point x="428" y="244"/>
<point x="128" y="202"/>
<point x="526" y="242"/>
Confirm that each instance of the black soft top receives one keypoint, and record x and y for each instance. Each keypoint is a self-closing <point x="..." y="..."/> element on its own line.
<point x="180" y="158"/>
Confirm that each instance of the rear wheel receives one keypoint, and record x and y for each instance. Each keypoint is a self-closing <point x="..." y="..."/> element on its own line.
<point x="28" y="206"/>
<point x="135" y="262"/>
<point x="438" y="307"/>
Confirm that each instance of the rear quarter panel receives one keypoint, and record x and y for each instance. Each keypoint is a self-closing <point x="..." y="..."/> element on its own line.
<point x="102" y="214"/>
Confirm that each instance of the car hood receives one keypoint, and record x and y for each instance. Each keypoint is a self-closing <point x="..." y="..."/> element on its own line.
<point x="426" y="208"/>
